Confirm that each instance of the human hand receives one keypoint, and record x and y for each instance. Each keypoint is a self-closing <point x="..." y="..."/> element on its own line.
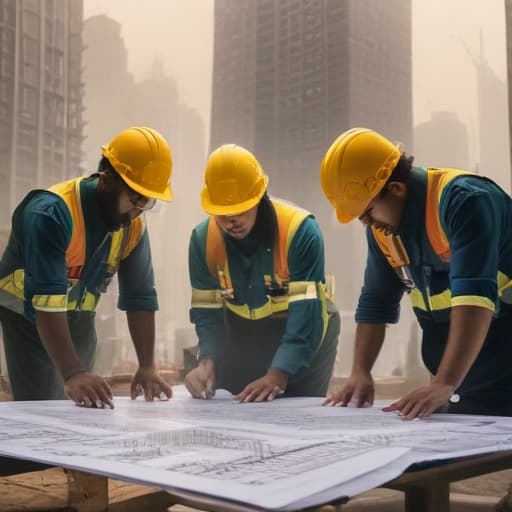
<point x="357" y="391"/>
<point x="88" y="390"/>
<point x="422" y="402"/>
<point x="147" y="381"/>
<point x="200" y="381"/>
<point x="266" y="388"/>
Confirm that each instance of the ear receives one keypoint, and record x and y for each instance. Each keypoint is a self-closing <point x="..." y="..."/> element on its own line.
<point x="397" y="189"/>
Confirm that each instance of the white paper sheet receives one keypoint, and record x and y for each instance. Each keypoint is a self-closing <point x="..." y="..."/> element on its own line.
<point x="281" y="455"/>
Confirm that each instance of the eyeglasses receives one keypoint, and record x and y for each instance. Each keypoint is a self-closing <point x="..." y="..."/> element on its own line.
<point x="141" y="202"/>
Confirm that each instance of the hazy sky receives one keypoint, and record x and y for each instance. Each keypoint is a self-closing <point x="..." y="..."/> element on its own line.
<point x="444" y="31"/>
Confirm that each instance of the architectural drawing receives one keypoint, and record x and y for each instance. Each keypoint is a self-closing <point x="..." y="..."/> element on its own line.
<point x="280" y="455"/>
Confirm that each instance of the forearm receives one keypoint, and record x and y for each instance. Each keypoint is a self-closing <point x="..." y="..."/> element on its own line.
<point x="53" y="329"/>
<point x="209" y="326"/>
<point x="369" y="339"/>
<point x="142" y="330"/>
<point x="469" y="326"/>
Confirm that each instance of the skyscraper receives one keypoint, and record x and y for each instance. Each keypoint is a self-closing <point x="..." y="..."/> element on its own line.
<point x="40" y="96"/>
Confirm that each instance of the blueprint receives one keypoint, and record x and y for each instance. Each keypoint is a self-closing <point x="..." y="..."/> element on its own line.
<point x="280" y="455"/>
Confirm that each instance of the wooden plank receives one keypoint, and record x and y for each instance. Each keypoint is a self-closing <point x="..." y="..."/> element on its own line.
<point x="453" y="471"/>
<point x="87" y="492"/>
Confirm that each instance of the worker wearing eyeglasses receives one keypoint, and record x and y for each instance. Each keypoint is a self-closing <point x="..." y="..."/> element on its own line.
<point x="444" y="237"/>
<point x="65" y="246"/>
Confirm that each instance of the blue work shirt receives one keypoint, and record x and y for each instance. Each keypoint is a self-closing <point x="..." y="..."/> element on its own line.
<point x="248" y="263"/>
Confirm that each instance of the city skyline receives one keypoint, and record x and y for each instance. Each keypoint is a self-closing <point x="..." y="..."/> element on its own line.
<point x="444" y="78"/>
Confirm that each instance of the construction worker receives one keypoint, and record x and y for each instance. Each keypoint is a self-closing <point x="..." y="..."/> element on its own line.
<point x="445" y="237"/>
<point x="264" y="323"/>
<point x="65" y="246"/>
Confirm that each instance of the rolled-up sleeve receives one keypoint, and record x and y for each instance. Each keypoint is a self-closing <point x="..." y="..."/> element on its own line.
<point x="473" y="224"/>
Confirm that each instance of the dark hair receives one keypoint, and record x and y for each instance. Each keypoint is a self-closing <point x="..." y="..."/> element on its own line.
<point x="401" y="172"/>
<point x="265" y="226"/>
<point x="105" y="165"/>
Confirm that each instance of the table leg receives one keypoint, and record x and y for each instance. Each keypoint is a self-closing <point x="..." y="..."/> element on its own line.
<point x="434" y="497"/>
<point x="86" y="492"/>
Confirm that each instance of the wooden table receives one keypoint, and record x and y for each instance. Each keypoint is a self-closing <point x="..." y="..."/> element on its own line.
<point x="426" y="490"/>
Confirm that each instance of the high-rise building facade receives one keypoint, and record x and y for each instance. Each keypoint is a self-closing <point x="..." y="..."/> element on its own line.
<point x="40" y="96"/>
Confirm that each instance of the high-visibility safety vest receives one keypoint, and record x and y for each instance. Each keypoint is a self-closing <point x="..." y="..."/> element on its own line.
<point x="78" y="297"/>
<point x="289" y="218"/>
<point x="392" y="246"/>
<point x="396" y="254"/>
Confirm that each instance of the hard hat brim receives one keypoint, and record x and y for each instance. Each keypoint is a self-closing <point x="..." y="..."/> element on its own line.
<point x="344" y="217"/>
<point x="231" y="209"/>
<point x="165" y="195"/>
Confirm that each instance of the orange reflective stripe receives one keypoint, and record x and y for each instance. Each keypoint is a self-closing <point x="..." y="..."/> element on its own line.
<point x="216" y="256"/>
<point x="437" y="179"/>
<point x="69" y="191"/>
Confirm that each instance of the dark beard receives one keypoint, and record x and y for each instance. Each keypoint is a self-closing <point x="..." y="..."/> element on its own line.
<point x="108" y="202"/>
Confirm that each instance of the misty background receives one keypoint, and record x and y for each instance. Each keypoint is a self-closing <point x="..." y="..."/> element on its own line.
<point x="282" y="78"/>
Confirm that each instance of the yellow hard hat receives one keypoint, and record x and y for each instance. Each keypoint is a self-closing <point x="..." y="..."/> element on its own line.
<point x="234" y="181"/>
<point x="355" y="169"/>
<point x="142" y="157"/>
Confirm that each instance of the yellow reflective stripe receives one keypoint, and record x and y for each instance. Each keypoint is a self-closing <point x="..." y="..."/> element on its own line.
<point x="504" y="283"/>
<point x="115" y="248"/>
<point x="441" y="300"/>
<point x="473" y="300"/>
<point x="136" y="230"/>
<point x="50" y="302"/>
<point x="243" y="310"/>
<point x="89" y="302"/>
<point x="294" y="225"/>
<point x="330" y="287"/>
<point x="417" y="299"/>
<point x="325" y="313"/>
<point x="206" y="298"/>
<point x="302" y="290"/>
<point x="14" y="283"/>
